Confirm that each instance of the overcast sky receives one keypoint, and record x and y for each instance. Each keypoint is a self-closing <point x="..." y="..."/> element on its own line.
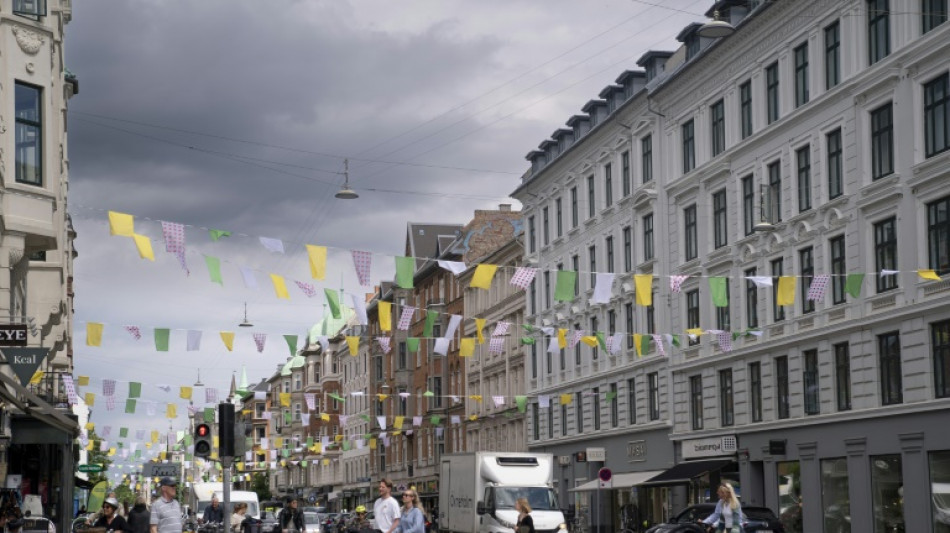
<point x="236" y="114"/>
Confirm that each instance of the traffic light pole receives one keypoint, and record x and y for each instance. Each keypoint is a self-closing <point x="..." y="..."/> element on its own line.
<point x="226" y="449"/>
<point x="226" y="472"/>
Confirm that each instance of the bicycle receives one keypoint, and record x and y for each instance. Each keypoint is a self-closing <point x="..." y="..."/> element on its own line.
<point x="581" y="522"/>
<point x="629" y="519"/>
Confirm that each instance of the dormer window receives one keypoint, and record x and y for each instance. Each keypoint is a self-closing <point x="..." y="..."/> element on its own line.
<point x="29" y="8"/>
<point x="692" y="46"/>
<point x="651" y="70"/>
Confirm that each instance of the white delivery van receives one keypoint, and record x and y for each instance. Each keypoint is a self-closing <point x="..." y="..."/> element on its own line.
<point x="201" y="494"/>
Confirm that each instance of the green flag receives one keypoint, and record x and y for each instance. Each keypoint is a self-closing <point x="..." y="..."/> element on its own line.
<point x="675" y="341"/>
<point x="564" y="288"/>
<point x="527" y="341"/>
<point x="435" y="420"/>
<point x="333" y="300"/>
<point x="522" y="403"/>
<point x="309" y="442"/>
<point x="529" y="328"/>
<point x="337" y="397"/>
<point x="161" y="339"/>
<point x="209" y="414"/>
<point x="412" y="344"/>
<point x="285" y="452"/>
<point x="346" y="446"/>
<point x="218" y="233"/>
<point x="135" y="390"/>
<point x="214" y="269"/>
<point x="303" y="463"/>
<point x="611" y="395"/>
<point x="430" y="322"/>
<point x="287" y="418"/>
<point x="187" y="439"/>
<point x="601" y="340"/>
<point x="719" y="290"/>
<point x="130" y="406"/>
<point x="405" y="267"/>
<point x="291" y="344"/>
<point x="645" y="343"/>
<point x="123" y="433"/>
<point x="853" y="284"/>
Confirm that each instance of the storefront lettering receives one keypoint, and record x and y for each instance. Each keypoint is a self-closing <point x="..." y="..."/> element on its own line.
<point x="637" y="450"/>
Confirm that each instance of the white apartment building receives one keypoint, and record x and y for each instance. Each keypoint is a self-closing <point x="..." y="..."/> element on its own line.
<point x="829" y="120"/>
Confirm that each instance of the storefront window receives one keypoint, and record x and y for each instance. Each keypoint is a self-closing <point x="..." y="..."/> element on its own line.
<point x="940" y="490"/>
<point x="887" y="492"/>
<point x="834" y="495"/>
<point x="790" y="496"/>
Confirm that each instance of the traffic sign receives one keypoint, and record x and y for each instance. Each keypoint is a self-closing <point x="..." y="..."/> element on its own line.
<point x="604" y="474"/>
<point x="90" y="468"/>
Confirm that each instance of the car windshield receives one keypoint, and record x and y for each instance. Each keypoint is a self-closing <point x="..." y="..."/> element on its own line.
<point x="311" y="518"/>
<point x="539" y="498"/>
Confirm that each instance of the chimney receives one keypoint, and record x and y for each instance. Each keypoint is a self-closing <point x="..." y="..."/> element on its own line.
<point x="504" y="208"/>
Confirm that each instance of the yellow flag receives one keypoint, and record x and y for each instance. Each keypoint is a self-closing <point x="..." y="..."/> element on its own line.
<point x="479" y="326"/>
<point x="93" y="338"/>
<point x="338" y="438"/>
<point x="483" y="276"/>
<point x="562" y="338"/>
<point x="240" y="467"/>
<point x="644" y="283"/>
<point x="476" y="397"/>
<point x="589" y="340"/>
<point x="83" y="381"/>
<point x="228" y="338"/>
<point x="90" y="399"/>
<point x="318" y="261"/>
<point x="397" y="422"/>
<point x="382" y="396"/>
<point x="467" y="347"/>
<point x="284" y="399"/>
<point x="111" y="452"/>
<point x="279" y="442"/>
<point x="318" y="447"/>
<point x="326" y="462"/>
<point x="185" y="393"/>
<point x="928" y="274"/>
<point x="171" y="411"/>
<point x="325" y="417"/>
<point x="121" y="224"/>
<point x="280" y="287"/>
<point x="154" y="435"/>
<point x="90" y="445"/>
<point x="786" y="290"/>
<point x="90" y="426"/>
<point x="637" y="337"/>
<point x="566" y="399"/>
<point x="161" y="455"/>
<point x="385" y="316"/>
<point x="148" y="445"/>
<point x="372" y="444"/>
<point x="473" y="417"/>
<point x="354" y="343"/>
<point x="144" y="245"/>
<point x="37" y="377"/>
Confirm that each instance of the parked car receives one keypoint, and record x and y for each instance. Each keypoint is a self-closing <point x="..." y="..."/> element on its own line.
<point x="269" y="522"/>
<point x="758" y="520"/>
<point x="313" y="522"/>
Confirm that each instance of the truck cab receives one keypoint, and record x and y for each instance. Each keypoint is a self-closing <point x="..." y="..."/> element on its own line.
<point x="498" y="506"/>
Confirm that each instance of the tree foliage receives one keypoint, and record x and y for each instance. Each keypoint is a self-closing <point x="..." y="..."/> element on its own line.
<point x="94" y="456"/>
<point x="260" y="484"/>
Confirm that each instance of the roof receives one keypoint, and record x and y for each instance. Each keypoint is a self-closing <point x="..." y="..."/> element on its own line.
<point x="591" y="104"/>
<point x="610" y="89"/>
<point x="331" y="327"/>
<point x="688" y="31"/>
<point x="577" y="118"/>
<point x="627" y="74"/>
<point x="422" y="239"/>
<point x="296" y="361"/>
<point x="684" y="472"/>
<point x="652" y="54"/>
<point x="560" y="132"/>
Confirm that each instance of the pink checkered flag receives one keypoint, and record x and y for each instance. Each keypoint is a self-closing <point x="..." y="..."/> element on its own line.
<point x="819" y="284"/>
<point x="385" y="343"/>
<point x="575" y="338"/>
<point x="311" y="400"/>
<point x="135" y="332"/>
<point x="724" y="338"/>
<point x="192" y="408"/>
<point x="406" y="318"/>
<point x="496" y="345"/>
<point x="306" y="288"/>
<point x="523" y="277"/>
<point x="658" y="340"/>
<point x="501" y="329"/>
<point x="362" y="261"/>
<point x="70" y="387"/>
<point x="259" y="339"/>
<point x="614" y="343"/>
<point x="676" y="283"/>
<point x="108" y="387"/>
<point x="174" y="234"/>
<point x="106" y="431"/>
<point x="211" y="395"/>
<point x="110" y="403"/>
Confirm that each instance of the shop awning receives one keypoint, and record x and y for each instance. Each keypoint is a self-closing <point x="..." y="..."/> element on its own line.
<point x="619" y="481"/>
<point x="684" y="472"/>
<point x="36" y="407"/>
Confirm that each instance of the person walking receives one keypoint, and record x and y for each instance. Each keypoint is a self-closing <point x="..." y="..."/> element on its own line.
<point x="290" y="518"/>
<point x="166" y="511"/>
<point x="525" y="522"/>
<point x="413" y="517"/>
<point x="385" y="509"/>
<point x="728" y="514"/>
<point x="139" y="516"/>
<point x="110" y="519"/>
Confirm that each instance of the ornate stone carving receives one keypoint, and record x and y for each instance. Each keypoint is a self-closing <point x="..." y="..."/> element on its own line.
<point x="29" y="41"/>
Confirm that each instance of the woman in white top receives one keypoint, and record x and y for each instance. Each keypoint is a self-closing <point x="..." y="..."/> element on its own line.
<point x="237" y="518"/>
<point x="728" y="514"/>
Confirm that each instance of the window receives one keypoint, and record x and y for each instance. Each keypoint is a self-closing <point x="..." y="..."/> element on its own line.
<point x="720" y="227"/>
<point x="535" y="423"/>
<point x="885" y="252"/>
<point x="801" y="75"/>
<point x="563" y="420"/>
<point x="835" y="164"/>
<point x="378" y="364"/>
<point x="579" y="411"/>
<point x="803" y="163"/>
<point x="648" y="237"/>
<point x="775" y="191"/>
<point x="547" y="289"/>
<point x="745" y="108"/>
<point x="882" y="141"/>
<point x="628" y="318"/>
<point x="577" y="348"/>
<point x="778" y="312"/>
<point x="838" y="269"/>
<point x="631" y="401"/>
<point x="610" y="254"/>
<point x="29" y="132"/>
<point x="689" y="219"/>
<point x="646" y="158"/>
<point x="806" y="263"/>
<point x="751" y="300"/>
<point x="934" y="13"/>
<point x="887" y="485"/>
<point x="748" y="205"/>
<point x="403" y="356"/>
<point x="651" y="315"/>
<point x="879" y="30"/>
<point x="842" y="376"/>
<point x="593" y="331"/>
<point x="627" y="249"/>
<point x="574" y="207"/>
<point x="718" y="113"/>
<point x="534" y="361"/>
<point x="938" y="235"/>
<point x="937" y="115"/>
<point x="608" y="185"/>
<point x="696" y="401"/>
<point x="591" y="199"/>
<point x="534" y="296"/>
<point x="545" y="226"/>
<point x="771" y="92"/>
<point x="689" y="147"/>
<point x="576" y="263"/>
<point x="558" y="222"/>
<point x="692" y="313"/>
<point x="653" y="381"/>
<point x="832" y="55"/>
<point x="755" y="391"/>
<point x="723" y="317"/>
<point x="726" y="406"/>
<point x="612" y="398"/>
<point x="532" y="236"/>
<point x="889" y="351"/>
<point x="781" y="386"/>
<point x="625" y="173"/>
<point x="30" y="8"/>
<point x="940" y="334"/>
<point x="550" y="423"/>
<point x="810" y="382"/>
<point x="592" y="254"/>
<point x="611" y="322"/>
<point x="595" y="401"/>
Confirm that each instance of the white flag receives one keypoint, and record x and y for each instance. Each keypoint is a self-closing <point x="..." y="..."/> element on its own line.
<point x="455" y="267"/>
<point x="274" y="245"/>
<point x="249" y="280"/>
<point x="359" y="307"/>
<point x="441" y="346"/>
<point x="194" y="340"/>
<point x="760" y="281"/>
<point x="454" y="321"/>
<point x="602" y="288"/>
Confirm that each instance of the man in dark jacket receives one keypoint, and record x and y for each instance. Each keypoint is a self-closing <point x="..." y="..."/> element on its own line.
<point x="214" y="514"/>
<point x="291" y="519"/>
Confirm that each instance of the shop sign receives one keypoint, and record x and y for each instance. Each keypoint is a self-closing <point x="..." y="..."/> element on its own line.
<point x="709" y="447"/>
<point x="161" y="469"/>
<point x="24" y="361"/>
<point x="13" y="334"/>
<point x="596" y="455"/>
<point x="636" y="451"/>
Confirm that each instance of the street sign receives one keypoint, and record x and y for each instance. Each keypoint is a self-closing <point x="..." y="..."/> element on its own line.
<point x="604" y="474"/>
<point x="151" y="470"/>
<point x="24" y="361"/>
<point x="90" y="468"/>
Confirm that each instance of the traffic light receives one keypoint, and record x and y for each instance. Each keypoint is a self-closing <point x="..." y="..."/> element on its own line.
<point x="226" y="429"/>
<point x="203" y="441"/>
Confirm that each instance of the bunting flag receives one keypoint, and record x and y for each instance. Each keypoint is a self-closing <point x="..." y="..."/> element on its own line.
<point x="250" y="281"/>
<point x="638" y="344"/>
<point x="121" y="224"/>
<point x="719" y="291"/>
<point x="603" y="286"/>
<point x="928" y="274"/>
<point x="644" y="284"/>
<point x="819" y="284"/>
<point x="306" y="288"/>
<point x="564" y="286"/>
<point x="467" y="347"/>
<point x="108" y="387"/>
<point x="676" y="283"/>
<point x="483" y="276"/>
<point x="259" y="339"/>
<point x="89" y="399"/>
<point x="333" y="301"/>
<point x="479" y="326"/>
<point x="501" y="328"/>
<point x="353" y="342"/>
<point x="431" y="317"/>
<point x="385" y="315"/>
<point x="658" y="339"/>
<point x="888" y="272"/>
<point x="184" y="393"/>
<point x="280" y="287"/>
<point x="272" y="245"/>
<point x="135" y="389"/>
<point x="94" y="334"/>
<point x="496" y="345"/>
<point x="441" y="346"/>
<point x="317" y="257"/>
<point x="412" y="344"/>
<point x="544" y="401"/>
<point x="405" y="318"/>
<point x="144" y="246"/>
<point x="214" y="269"/>
<point x="613" y="343"/>
<point x="385" y="343"/>
<point x="211" y="395"/>
<point x="227" y="337"/>
<point x="194" y="340"/>
<point x="523" y="277"/>
<point x="566" y="399"/>
<point x="853" y="284"/>
<point x="362" y="262"/>
<point x="130" y="406"/>
<point x="522" y="403"/>
<point x="70" y="389"/>
<point x="161" y="339"/>
<point x="311" y="400"/>
<point x="405" y="268"/>
<point x="562" y="338"/>
<point x="454" y="322"/>
<point x="786" y="290"/>
<point x="761" y="282"/>
<point x="576" y="336"/>
<point x="359" y="307"/>
<point x="724" y="339"/>
<point x="171" y="411"/>
<point x="455" y="267"/>
<point x="174" y="235"/>
<point x="216" y="234"/>
<point x="284" y="398"/>
<point x="134" y="331"/>
<point x="590" y="340"/>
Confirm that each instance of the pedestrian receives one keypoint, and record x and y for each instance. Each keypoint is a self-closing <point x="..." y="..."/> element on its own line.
<point x="237" y="518"/>
<point x="525" y="522"/>
<point x="385" y="509"/>
<point x="213" y="514"/>
<point x="728" y="514"/>
<point x="139" y="516"/>
<point x="166" y="511"/>
<point x="110" y="519"/>
<point x="413" y="517"/>
<point x="290" y="518"/>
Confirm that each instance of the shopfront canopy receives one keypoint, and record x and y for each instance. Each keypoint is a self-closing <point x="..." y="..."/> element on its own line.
<point x="619" y="481"/>
<point x="684" y="472"/>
